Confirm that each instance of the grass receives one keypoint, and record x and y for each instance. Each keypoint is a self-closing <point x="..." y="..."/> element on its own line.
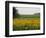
<point x="29" y="27"/>
<point x="27" y="16"/>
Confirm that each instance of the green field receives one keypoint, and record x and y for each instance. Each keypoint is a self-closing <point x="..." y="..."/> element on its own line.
<point x="26" y="27"/>
<point x="32" y="22"/>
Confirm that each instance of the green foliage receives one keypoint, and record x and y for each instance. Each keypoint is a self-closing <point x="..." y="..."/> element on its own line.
<point x="26" y="27"/>
<point x="27" y="16"/>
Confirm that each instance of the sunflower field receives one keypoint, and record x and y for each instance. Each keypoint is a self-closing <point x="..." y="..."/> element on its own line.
<point x="26" y="24"/>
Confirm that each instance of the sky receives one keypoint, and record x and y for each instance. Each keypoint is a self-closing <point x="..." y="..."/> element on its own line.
<point x="27" y="10"/>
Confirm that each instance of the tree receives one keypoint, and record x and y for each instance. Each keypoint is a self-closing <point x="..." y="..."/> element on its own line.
<point x="15" y="12"/>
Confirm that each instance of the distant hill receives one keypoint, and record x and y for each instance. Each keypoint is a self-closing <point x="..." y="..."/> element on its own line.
<point x="37" y="14"/>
